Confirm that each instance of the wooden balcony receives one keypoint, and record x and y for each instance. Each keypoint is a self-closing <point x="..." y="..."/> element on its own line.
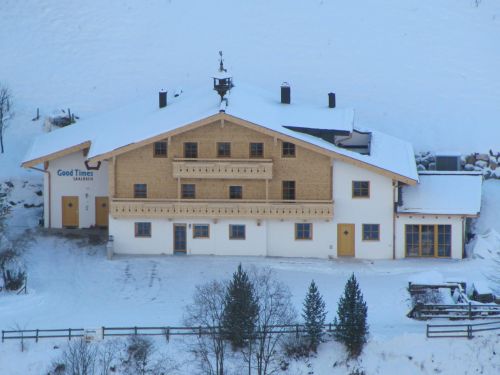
<point x="223" y="168"/>
<point x="251" y="209"/>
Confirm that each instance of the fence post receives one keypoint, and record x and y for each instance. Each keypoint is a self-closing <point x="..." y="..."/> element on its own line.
<point x="330" y="327"/>
<point x="297" y="331"/>
<point x="69" y="334"/>
<point x="470" y="310"/>
<point x="135" y="331"/>
<point x="3" y="332"/>
<point x="199" y="331"/>
<point x="36" y="338"/>
<point x="469" y="331"/>
<point x="427" y="331"/>
<point x="167" y="334"/>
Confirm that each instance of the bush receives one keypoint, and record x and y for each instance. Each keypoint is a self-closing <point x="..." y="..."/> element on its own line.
<point x="14" y="279"/>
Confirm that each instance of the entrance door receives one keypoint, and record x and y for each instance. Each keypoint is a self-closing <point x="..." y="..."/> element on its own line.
<point x="70" y="212"/>
<point x="345" y="240"/>
<point x="179" y="238"/>
<point x="101" y="212"/>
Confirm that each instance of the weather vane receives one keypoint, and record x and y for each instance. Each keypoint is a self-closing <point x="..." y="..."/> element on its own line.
<point x="221" y="65"/>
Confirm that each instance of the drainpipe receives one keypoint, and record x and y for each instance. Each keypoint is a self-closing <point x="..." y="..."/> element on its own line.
<point x="50" y="194"/>
<point x="394" y="187"/>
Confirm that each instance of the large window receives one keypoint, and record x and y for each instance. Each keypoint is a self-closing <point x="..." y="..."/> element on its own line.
<point x="160" y="150"/>
<point x="201" y="231"/>
<point x="428" y="240"/>
<point x="223" y="149"/>
<point x="191" y="150"/>
<point x="371" y="232"/>
<point x="256" y="150"/>
<point x="143" y="229"/>
<point x="188" y="191"/>
<point x="236" y="232"/>
<point x="303" y="231"/>
<point x="288" y="150"/>
<point x="140" y="191"/>
<point x="288" y="190"/>
<point x="235" y="192"/>
<point x="361" y="189"/>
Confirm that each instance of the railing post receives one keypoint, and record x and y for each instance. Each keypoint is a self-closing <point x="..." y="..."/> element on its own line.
<point x="199" y="331"/>
<point x="167" y="333"/>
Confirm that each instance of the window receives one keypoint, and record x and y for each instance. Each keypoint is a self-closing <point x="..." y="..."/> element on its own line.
<point x="288" y="150"/>
<point x="361" y="189"/>
<point x="288" y="190"/>
<point x="235" y="192"/>
<point x="428" y="240"/>
<point x="201" y="231"/>
<point x="143" y="229"/>
<point x="190" y="150"/>
<point x="236" y="232"/>
<point x="188" y="191"/>
<point x="140" y="191"/>
<point x="160" y="150"/>
<point x="256" y="150"/>
<point x="223" y="149"/>
<point x="303" y="231"/>
<point x="371" y="232"/>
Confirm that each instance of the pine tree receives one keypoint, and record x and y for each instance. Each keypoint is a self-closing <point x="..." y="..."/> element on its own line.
<point x="351" y="327"/>
<point x="314" y="314"/>
<point x="240" y="310"/>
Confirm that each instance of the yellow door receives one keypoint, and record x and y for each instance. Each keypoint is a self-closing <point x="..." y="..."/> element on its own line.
<point x="70" y="212"/>
<point x="345" y="240"/>
<point x="101" y="212"/>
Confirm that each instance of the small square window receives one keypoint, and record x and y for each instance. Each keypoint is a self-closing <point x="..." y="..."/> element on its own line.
<point x="191" y="150"/>
<point x="140" y="191"/>
<point x="223" y="149"/>
<point x="371" y="232"/>
<point x="288" y="150"/>
<point x="256" y="150"/>
<point x="188" y="191"/>
<point x="235" y="192"/>
<point x="288" y="190"/>
<point x="143" y="229"/>
<point x="236" y="232"/>
<point x="361" y="189"/>
<point x="303" y="231"/>
<point x="160" y="150"/>
<point x="201" y="231"/>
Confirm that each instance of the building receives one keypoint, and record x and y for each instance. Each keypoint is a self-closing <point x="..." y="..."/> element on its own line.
<point x="249" y="174"/>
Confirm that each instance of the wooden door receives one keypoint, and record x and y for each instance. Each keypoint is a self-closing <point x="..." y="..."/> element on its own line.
<point x="101" y="212"/>
<point x="345" y="240"/>
<point x="70" y="212"/>
<point x="180" y="237"/>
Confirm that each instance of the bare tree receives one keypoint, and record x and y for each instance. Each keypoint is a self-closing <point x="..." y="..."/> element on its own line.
<point x="6" y="112"/>
<point x="275" y="309"/>
<point x="79" y="358"/>
<point x="207" y="310"/>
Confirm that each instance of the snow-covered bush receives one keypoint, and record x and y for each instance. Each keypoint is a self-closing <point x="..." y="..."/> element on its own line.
<point x="12" y="269"/>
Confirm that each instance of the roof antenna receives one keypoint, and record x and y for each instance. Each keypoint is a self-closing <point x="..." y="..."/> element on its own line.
<point x="221" y="64"/>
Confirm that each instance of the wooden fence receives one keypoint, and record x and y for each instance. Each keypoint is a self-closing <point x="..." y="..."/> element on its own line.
<point x="458" y="311"/>
<point x="166" y="331"/>
<point x="460" y="330"/>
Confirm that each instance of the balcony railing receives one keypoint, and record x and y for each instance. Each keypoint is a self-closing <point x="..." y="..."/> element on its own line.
<point x="223" y="168"/>
<point x="257" y="209"/>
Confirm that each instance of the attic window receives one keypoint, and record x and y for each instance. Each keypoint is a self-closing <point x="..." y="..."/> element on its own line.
<point x="191" y="150"/>
<point x="223" y="149"/>
<point x="160" y="150"/>
<point x="288" y="150"/>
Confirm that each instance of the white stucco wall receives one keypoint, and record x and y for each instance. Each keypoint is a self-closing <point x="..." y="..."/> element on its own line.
<point x="456" y="231"/>
<point x="377" y="209"/>
<point x="70" y="185"/>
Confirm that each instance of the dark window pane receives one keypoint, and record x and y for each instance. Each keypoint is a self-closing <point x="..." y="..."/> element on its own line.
<point x="289" y="190"/>
<point x="236" y="232"/>
<point x="427" y="240"/>
<point x="140" y="191"/>
<point x="444" y="241"/>
<point x="190" y="150"/>
<point x="223" y="149"/>
<point x="371" y="232"/>
<point x="256" y="150"/>
<point x="360" y="189"/>
<point x="160" y="149"/>
<point x="143" y="229"/>
<point x="412" y="240"/>
<point x="200" y="231"/>
<point x="303" y="231"/>
<point x="235" y="192"/>
<point x="188" y="191"/>
<point x="288" y="150"/>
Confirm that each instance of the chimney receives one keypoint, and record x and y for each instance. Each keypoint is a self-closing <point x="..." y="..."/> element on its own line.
<point x="285" y="93"/>
<point x="331" y="100"/>
<point x="163" y="98"/>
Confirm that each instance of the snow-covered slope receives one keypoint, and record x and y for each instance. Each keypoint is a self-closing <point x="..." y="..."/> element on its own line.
<point x="424" y="70"/>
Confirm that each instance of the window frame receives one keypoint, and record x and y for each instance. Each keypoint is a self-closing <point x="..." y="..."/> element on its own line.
<point x="357" y="191"/>
<point x="365" y="229"/>
<point x="288" y="190"/>
<point x="226" y="152"/>
<point x="164" y="146"/>
<point x="299" y="231"/>
<point x="184" y="190"/>
<point x="140" y="193"/>
<point x="138" y="233"/>
<point x="185" y="149"/>
<point x="437" y="229"/>
<point x="251" y="154"/>
<point x="286" y="150"/>
<point x="231" y="234"/>
<point x="202" y="237"/>
<point x="235" y="186"/>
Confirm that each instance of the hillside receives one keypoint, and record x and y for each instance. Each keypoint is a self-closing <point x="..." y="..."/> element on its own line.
<point x="424" y="70"/>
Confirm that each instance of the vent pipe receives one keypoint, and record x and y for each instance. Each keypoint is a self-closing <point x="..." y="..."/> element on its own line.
<point x="285" y="93"/>
<point x="162" y="98"/>
<point x="331" y="100"/>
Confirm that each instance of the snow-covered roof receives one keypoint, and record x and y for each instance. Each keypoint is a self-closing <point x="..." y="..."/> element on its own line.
<point x="143" y="120"/>
<point x="449" y="193"/>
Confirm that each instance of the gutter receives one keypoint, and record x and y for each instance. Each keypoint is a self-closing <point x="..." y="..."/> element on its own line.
<point x="50" y="190"/>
